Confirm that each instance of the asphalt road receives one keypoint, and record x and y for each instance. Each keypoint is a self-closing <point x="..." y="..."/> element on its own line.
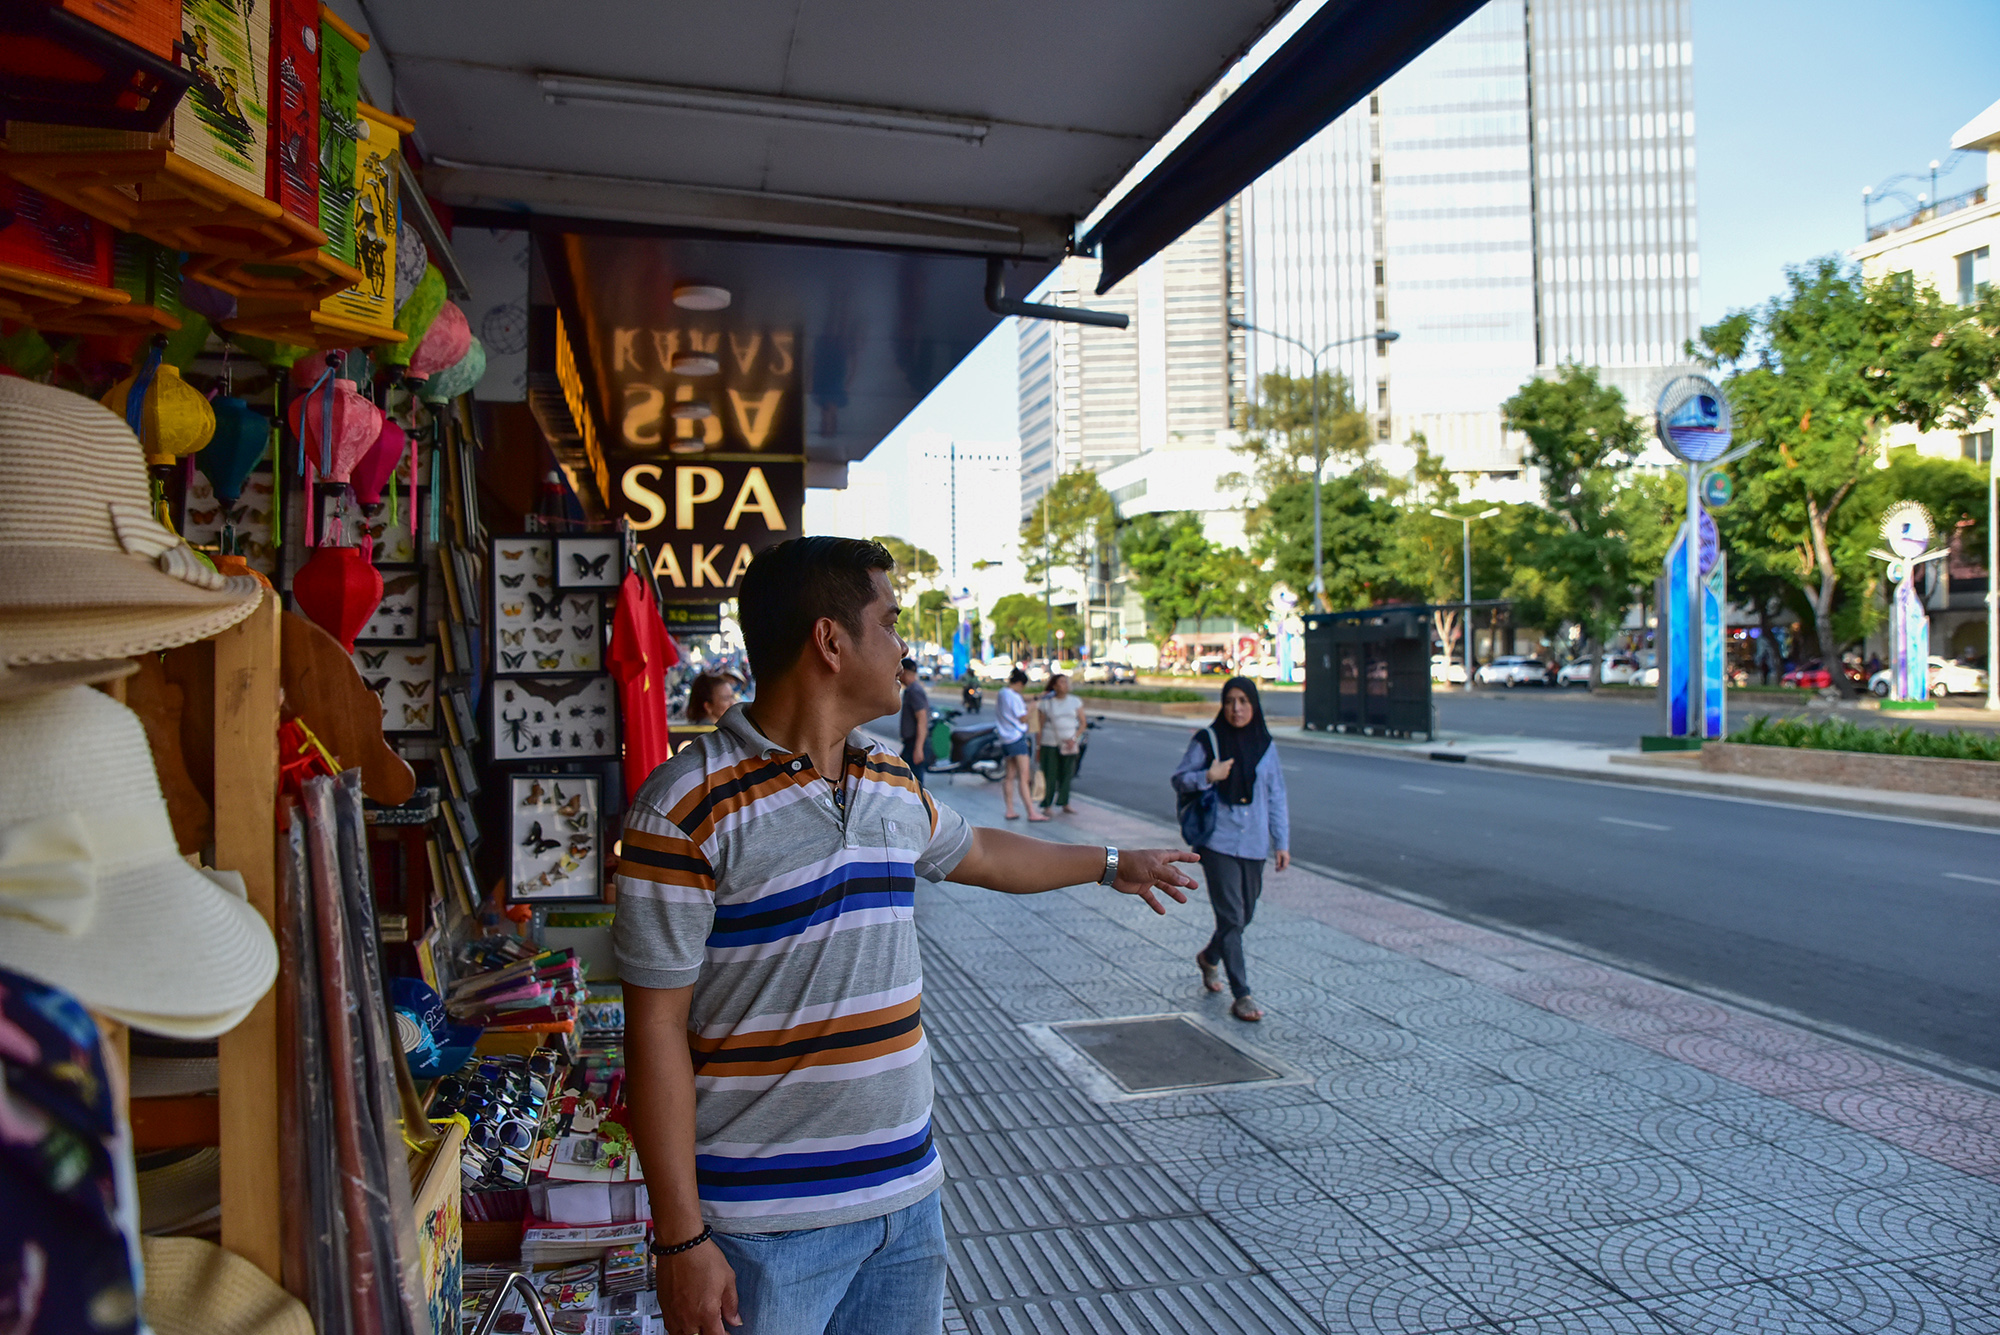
<point x="1886" y="929"/>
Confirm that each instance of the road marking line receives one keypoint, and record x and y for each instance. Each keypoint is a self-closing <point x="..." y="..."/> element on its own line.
<point x="1419" y="788"/>
<point x="1635" y="824"/>
<point x="1961" y="876"/>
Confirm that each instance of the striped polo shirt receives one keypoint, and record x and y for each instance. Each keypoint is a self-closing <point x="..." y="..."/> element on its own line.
<point x="793" y="921"/>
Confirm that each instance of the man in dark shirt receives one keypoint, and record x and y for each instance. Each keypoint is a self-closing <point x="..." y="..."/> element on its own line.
<point x="916" y="721"/>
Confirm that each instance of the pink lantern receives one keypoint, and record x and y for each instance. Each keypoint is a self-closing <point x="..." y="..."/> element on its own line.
<point x="376" y="466"/>
<point x="443" y="343"/>
<point x="351" y="423"/>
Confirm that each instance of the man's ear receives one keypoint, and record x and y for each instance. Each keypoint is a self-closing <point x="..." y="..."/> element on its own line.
<point x="830" y="643"/>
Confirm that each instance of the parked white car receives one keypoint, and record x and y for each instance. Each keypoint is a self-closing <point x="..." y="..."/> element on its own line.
<point x="1617" y="670"/>
<point x="1264" y="669"/>
<point x="1947" y="678"/>
<point x="1512" y="670"/>
<point x="1447" y="669"/>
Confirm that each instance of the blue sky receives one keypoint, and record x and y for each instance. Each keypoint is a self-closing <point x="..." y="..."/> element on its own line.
<point x="1798" y="106"/>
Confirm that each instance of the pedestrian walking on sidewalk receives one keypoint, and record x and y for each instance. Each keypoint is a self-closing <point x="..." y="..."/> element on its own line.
<point x="778" y="1074"/>
<point x="1252" y="822"/>
<point x="1061" y="739"/>
<point x="1010" y="713"/>
<point x="914" y="719"/>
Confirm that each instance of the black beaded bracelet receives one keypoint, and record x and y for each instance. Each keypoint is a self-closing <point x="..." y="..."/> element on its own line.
<point x="679" y="1247"/>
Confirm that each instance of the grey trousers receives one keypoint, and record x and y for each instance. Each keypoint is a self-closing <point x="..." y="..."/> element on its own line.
<point x="1233" y="887"/>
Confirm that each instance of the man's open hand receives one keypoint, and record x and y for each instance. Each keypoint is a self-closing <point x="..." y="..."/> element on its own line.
<point x="1143" y="870"/>
<point x="698" y="1292"/>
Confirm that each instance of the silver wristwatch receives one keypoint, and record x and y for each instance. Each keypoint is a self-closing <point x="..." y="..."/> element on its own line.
<point x="1110" y="866"/>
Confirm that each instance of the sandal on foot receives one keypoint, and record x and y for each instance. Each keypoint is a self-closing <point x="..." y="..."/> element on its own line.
<point x="1246" y="1008"/>
<point x="1013" y="815"/>
<point x="1211" y="974"/>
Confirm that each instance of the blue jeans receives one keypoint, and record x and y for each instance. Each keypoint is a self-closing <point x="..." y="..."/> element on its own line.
<point x="881" y="1276"/>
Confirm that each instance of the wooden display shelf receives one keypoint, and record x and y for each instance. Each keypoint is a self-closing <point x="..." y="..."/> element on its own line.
<point x="166" y="198"/>
<point x="282" y="322"/>
<point x="64" y="305"/>
<point x="298" y="281"/>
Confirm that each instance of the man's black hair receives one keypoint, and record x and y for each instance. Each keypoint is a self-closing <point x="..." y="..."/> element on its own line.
<point x="792" y="585"/>
<point x="909" y="665"/>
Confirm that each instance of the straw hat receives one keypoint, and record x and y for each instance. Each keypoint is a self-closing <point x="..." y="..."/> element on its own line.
<point x="197" y="1288"/>
<point x="86" y="571"/>
<point x="95" y="897"/>
<point x="35" y="678"/>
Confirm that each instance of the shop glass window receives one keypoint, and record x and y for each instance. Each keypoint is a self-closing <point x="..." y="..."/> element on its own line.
<point x="1974" y="272"/>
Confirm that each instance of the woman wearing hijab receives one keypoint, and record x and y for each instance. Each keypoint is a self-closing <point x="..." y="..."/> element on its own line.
<point x="1252" y="822"/>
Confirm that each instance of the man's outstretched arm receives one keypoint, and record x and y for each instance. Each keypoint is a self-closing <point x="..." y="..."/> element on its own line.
<point x="1017" y="865"/>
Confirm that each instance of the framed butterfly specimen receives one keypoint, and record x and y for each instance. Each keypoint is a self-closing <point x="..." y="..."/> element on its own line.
<point x="555" y="837"/>
<point x="405" y="677"/>
<point x="540" y="622"/>
<point x="528" y="718"/>
<point x="588" y="562"/>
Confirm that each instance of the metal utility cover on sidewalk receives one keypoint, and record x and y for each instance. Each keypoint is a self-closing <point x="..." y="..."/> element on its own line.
<point x="1161" y="1052"/>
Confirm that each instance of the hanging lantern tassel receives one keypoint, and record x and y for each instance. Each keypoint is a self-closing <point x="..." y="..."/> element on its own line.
<point x="432" y="527"/>
<point x="413" y="488"/>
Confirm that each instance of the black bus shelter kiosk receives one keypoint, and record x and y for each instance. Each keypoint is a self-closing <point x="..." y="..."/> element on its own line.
<point x="1370" y="671"/>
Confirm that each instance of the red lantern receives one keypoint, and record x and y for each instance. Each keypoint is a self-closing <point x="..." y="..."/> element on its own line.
<point x="372" y="473"/>
<point x="338" y="590"/>
<point x="447" y="340"/>
<point x="352" y="423"/>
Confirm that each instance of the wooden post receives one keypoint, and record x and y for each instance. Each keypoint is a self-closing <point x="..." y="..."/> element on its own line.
<point x="246" y="795"/>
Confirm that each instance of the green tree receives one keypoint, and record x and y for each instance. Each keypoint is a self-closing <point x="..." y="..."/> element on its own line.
<point x="1582" y="439"/>
<point x="1815" y="375"/>
<point x="1182" y="576"/>
<point x="914" y="566"/>
<point x="1277" y="446"/>
<point x="933" y="617"/>
<point x="1022" y="626"/>
<point x="1078" y="517"/>
<point x="1357" y="529"/>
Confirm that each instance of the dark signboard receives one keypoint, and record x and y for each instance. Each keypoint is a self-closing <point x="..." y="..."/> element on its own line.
<point x="692" y="618"/>
<point x="703" y="519"/>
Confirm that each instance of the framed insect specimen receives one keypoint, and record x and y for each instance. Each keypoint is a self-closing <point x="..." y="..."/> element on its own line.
<point x="404" y="678"/>
<point x="395" y="544"/>
<point x="589" y="563"/>
<point x="248" y="521"/>
<point x="553" y="718"/>
<point x="400" y="615"/>
<point x="538" y="627"/>
<point x="556" y="837"/>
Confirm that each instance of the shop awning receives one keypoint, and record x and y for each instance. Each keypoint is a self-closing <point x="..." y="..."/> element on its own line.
<point x="988" y="129"/>
<point x="1338" y="55"/>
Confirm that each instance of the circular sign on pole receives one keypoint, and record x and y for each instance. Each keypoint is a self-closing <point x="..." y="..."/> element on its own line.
<point x="1907" y="528"/>
<point x="1717" y="489"/>
<point x="1692" y="419"/>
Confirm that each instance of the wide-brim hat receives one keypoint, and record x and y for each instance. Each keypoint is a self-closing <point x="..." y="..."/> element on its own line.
<point x="86" y="570"/>
<point x="196" y="1288"/>
<point x="35" y="678"/>
<point x="95" y="897"/>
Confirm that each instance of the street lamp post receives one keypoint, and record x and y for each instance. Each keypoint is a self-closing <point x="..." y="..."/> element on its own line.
<point x="1319" y="462"/>
<point x="1465" y="610"/>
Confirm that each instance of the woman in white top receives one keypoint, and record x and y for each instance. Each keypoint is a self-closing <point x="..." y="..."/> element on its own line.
<point x="1062" y="735"/>
<point x="1011" y="712"/>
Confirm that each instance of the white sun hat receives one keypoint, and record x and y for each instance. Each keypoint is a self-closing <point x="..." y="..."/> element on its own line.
<point x="95" y="897"/>
<point x="86" y="571"/>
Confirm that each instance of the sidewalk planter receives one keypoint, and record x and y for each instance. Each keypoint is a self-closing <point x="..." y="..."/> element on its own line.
<point x="1093" y="704"/>
<point x="1856" y="769"/>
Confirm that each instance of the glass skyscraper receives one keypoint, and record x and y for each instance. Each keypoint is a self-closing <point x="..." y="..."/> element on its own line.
<point x="1520" y="195"/>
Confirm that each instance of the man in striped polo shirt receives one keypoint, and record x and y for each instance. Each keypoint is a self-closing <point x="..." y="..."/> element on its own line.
<point x="778" y="1075"/>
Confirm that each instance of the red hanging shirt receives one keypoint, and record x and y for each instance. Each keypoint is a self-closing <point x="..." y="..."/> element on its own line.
<point x="641" y="653"/>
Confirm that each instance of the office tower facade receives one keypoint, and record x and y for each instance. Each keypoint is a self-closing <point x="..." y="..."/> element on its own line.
<point x="1520" y="196"/>
<point x="1093" y="398"/>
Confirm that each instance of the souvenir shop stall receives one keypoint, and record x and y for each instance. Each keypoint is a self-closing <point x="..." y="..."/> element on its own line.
<point x="311" y="751"/>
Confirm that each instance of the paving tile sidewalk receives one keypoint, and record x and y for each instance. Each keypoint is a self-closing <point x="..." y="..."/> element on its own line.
<point x="1494" y="1135"/>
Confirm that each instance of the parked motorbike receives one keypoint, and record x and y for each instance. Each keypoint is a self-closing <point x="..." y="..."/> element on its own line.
<point x="973" y="748"/>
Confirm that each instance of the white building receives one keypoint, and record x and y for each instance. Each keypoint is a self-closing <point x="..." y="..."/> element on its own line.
<point x="1519" y="196"/>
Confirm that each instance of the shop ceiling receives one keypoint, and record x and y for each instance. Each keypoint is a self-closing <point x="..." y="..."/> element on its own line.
<point x="952" y="130"/>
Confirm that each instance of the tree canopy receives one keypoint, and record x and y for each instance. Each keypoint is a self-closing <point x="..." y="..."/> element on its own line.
<point x="1182" y="576"/>
<point x="1021" y="625"/>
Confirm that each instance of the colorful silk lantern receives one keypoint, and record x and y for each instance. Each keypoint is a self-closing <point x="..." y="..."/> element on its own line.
<point x="339" y="590"/>
<point x="443" y="344"/>
<point x="458" y="378"/>
<point x="337" y="426"/>
<point x="174" y="418"/>
<point x="415" y="317"/>
<point x="376" y="466"/>
<point x="242" y="434"/>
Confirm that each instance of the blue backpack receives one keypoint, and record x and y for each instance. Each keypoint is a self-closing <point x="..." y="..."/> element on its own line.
<point x="1197" y="810"/>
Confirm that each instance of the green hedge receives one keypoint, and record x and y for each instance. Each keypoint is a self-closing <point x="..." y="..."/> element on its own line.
<point x="1171" y="695"/>
<point x="1832" y="734"/>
